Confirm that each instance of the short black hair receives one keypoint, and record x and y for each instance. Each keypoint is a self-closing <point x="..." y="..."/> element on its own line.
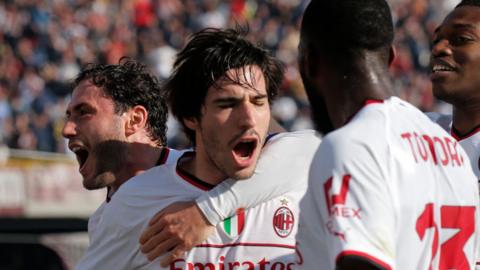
<point x="348" y="25"/>
<point x="469" y="3"/>
<point x="208" y="55"/>
<point x="129" y="84"/>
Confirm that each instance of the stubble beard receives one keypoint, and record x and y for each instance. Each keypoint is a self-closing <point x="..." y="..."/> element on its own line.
<point x="212" y="149"/>
<point x="110" y="157"/>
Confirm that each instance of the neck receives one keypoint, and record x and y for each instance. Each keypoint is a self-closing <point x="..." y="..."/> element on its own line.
<point x="466" y="118"/>
<point x="139" y="158"/>
<point x="368" y="79"/>
<point x="201" y="166"/>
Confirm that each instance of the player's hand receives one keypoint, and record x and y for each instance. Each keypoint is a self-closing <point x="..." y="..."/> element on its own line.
<point x="176" y="229"/>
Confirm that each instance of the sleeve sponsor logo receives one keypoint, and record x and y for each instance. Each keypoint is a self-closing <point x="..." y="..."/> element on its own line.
<point x="336" y="202"/>
<point x="336" y="206"/>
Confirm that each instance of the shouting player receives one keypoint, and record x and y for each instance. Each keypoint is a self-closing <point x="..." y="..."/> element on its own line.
<point x="388" y="188"/>
<point x="116" y="124"/>
<point x="220" y="90"/>
<point x="455" y="69"/>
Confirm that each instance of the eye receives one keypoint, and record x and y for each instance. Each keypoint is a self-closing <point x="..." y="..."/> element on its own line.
<point x="460" y="40"/>
<point x="226" y="105"/>
<point x="260" y="102"/>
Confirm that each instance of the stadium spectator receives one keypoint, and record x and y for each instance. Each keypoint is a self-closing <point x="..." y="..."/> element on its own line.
<point x="43" y="44"/>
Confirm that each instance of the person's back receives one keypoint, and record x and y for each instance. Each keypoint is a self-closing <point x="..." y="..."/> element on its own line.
<point x="402" y="198"/>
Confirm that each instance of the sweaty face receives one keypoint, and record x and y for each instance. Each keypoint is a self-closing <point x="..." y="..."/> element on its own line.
<point x="234" y="124"/>
<point x="455" y="59"/>
<point x="94" y="132"/>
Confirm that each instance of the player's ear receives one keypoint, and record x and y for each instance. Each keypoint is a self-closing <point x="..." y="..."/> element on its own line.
<point x="392" y="55"/>
<point x="136" y="119"/>
<point x="191" y="123"/>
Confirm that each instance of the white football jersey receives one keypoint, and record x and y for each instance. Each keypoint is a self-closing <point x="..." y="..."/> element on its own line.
<point x="97" y="221"/>
<point x="262" y="237"/>
<point x="469" y="141"/>
<point x="393" y="188"/>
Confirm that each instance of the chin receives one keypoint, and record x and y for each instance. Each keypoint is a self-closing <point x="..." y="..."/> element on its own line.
<point x="99" y="181"/>
<point x="243" y="174"/>
<point x="444" y="94"/>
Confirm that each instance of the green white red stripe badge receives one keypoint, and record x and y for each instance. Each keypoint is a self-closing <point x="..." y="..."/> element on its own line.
<point x="233" y="226"/>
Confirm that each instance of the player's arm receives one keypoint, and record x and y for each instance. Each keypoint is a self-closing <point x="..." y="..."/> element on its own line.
<point x="282" y="167"/>
<point x="347" y="211"/>
<point x="278" y="171"/>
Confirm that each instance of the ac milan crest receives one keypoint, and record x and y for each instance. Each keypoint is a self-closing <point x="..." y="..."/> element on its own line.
<point x="283" y="221"/>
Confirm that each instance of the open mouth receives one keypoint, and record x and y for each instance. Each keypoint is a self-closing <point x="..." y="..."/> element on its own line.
<point x="81" y="154"/>
<point x="440" y="68"/>
<point x="245" y="149"/>
<point x="439" y="65"/>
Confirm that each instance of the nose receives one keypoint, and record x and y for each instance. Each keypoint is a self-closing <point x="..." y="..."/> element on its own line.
<point x="247" y="115"/>
<point x="69" y="129"/>
<point x="441" y="48"/>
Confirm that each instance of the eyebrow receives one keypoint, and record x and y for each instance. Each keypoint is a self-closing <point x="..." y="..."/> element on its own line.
<point x="76" y="108"/>
<point x="226" y="99"/>
<point x="235" y="99"/>
<point x="458" y="26"/>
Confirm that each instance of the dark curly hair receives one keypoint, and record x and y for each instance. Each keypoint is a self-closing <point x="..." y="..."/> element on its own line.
<point x="345" y="27"/>
<point x="208" y="55"/>
<point x="128" y="84"/>
<point x="469" y="3"/>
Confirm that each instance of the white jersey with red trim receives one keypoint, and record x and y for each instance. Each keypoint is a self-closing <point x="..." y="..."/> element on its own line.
<point x="97" y="220"/>
<point x="469" y="141"/>
<point x="262" y="237"/>
<point x="392" y="188"/>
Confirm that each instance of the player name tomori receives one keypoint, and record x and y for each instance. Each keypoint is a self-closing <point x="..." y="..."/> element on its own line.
<point x="438" y="150"/>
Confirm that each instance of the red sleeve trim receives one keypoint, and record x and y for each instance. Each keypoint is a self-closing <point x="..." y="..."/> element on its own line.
<point x="365" y="256"/>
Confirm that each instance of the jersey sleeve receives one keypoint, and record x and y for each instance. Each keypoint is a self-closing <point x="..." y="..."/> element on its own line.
<point x="283" y="166"/>
<point x="347" y="209"/>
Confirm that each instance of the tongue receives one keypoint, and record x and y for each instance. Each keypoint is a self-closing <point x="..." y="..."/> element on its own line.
<point x="243" y="149"/>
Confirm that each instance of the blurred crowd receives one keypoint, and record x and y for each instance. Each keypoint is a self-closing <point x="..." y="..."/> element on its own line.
<point x="44" y="43"/>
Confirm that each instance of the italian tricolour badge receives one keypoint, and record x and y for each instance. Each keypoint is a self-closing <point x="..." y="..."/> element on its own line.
<point x="233" y="226"/>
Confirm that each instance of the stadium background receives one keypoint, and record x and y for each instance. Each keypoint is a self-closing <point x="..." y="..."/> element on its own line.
<point x="44" y="43"/>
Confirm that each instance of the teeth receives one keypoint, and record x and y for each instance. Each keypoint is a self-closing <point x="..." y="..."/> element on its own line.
<point x="441" y="68"/>
<point x="76" y="148"/>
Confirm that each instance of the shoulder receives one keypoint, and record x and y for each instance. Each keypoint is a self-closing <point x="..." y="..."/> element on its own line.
<point x="155" y="177"/>
<point x="303" y="139"/>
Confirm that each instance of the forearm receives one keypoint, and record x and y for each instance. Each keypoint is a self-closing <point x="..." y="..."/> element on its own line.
<point x="283" y="167"/>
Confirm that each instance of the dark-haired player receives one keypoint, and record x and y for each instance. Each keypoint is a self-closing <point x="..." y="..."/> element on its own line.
<point x="115" y="124"/>
<point x="388" y="188"/>
<point x="220" y="90"/>
<point x="455" y="69"/>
